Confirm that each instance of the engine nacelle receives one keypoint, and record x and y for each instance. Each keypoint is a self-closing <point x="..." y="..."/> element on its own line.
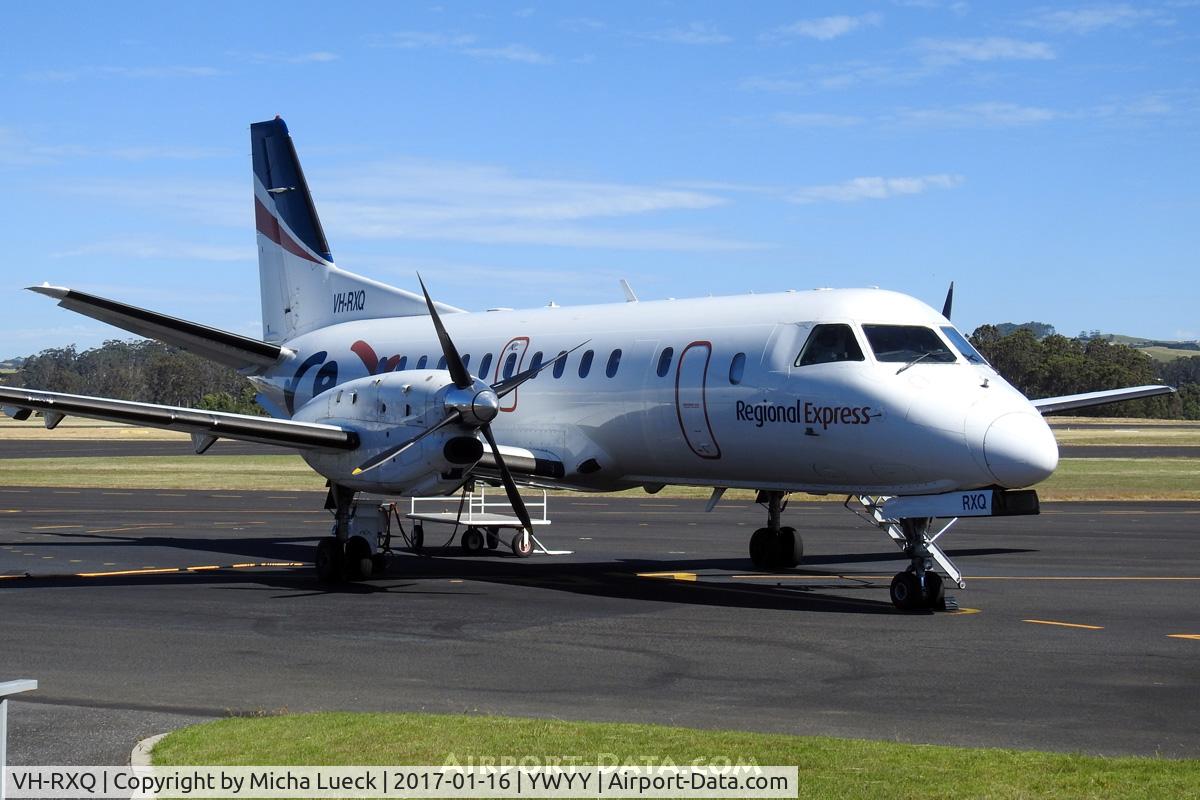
<point x="386" y="410"/>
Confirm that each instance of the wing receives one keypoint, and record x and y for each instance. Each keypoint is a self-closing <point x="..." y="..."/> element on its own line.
<point x="204" y="426"/>
<point x="217" y="345"/>
<point x="1052" y="405"/>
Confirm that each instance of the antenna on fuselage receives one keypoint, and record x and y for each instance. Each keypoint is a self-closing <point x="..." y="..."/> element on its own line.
<point x="630" y="297"/>
<point x="949" y="301"/>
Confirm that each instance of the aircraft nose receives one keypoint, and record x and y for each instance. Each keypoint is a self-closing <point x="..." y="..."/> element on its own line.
<point x="1019" y="449"/>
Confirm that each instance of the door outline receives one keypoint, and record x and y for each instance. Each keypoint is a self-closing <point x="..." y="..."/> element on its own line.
<point x="712" y="439"/>
<point x="514" y="346"/>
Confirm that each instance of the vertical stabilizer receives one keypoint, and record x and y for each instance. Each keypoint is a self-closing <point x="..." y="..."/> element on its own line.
<point x="302" y="289"/>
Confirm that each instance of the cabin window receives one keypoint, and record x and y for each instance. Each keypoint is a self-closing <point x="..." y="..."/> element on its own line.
<point x="585" y="364"/>
<point x="963" y="345"/>
<point x="510" y="365"/>
<point x="907" y="343"/>
<point x="664" y="361"/>
<point x="441" y="363"/>
<point x="614" y="361"/>
<point x="402" y="363"/>
<point x="535" y="363"/>
<point x="829" y="342"/>
<point x="422" y="362"/>
<point x="560" y="364"/>
<point x="485" y="365"/>
<point x="466" y="360"/>
<point x="737" y="367"/>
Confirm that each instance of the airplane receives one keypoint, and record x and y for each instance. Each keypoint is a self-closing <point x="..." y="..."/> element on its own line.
<point x="860" y="392"/>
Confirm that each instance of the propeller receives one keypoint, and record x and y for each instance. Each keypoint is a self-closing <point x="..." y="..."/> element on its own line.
<point x="473" y="403"/>
<point x="949" y="301"/>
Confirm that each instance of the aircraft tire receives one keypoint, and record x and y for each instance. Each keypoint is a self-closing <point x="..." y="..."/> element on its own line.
<point x="472" y="541"/>
<point x="329" y="560"/>
<point x="760" y="550"/>
<point x="358" y="562"/>
<point x="935" y="591"/>
<point x="788" y="549"/>
<point x="906" y="592"/>
<point x="519" y="550"/>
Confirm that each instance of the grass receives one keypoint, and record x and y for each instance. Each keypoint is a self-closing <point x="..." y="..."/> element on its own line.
<point x="1165" y="354"/>
<point x="828" y="768"/>
<point x="1076" y="478"/>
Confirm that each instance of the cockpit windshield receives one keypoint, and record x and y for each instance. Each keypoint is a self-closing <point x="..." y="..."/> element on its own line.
<point x="963" y="346"/>
<point x="907" y="344"/>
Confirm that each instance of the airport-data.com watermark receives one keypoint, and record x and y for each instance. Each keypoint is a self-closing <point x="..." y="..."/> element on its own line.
<point x="612" y="780"/>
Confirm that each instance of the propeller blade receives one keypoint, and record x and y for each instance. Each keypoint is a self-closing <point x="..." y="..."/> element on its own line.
<point x="949" y="301"/>
<point x="392" y="452"/>
<point x="510" y="487"/>
<point x="458" y="372"/>
<point x="509" y="385"/>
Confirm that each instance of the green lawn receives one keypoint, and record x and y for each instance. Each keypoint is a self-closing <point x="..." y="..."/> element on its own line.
<point x="829" y="768"/>
<point x="1076" y="478"/>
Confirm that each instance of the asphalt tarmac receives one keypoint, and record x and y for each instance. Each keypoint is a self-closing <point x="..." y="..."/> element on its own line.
<point x="146" y="610"/>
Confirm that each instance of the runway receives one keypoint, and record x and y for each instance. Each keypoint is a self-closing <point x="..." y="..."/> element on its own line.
<point x="1067" y="639"/>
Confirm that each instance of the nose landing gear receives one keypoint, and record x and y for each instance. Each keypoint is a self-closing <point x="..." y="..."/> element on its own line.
<point x="775" y="547"/>
<point x="918" y="587"/>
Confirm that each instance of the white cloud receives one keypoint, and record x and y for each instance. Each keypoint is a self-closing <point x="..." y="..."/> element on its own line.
<point x="983" y="114"/>
<point x="315" y="57"/>
<point x="148" y="72"/>
<point x="16" y="150"/>
<point x="801" y="119"/>
<point x="945" y="52"/>
<point x="511" y="52"/>
<point x="873" y="188"/>
<point x="466" y="44"/>
<point x="825" y="28"/>
<point x="694" y="33"/>
<point x="159" y="250"/>
<point x="1090" y="19"/>
<point x="415" y="200"/>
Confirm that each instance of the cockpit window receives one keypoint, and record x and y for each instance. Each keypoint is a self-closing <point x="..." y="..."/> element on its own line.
<point x="963" y="346"/>
<point x="907" y="343"/>
<point x="829" y="343"/>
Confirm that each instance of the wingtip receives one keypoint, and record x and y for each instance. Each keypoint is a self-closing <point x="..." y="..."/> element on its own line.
<point x="58" y="292"/>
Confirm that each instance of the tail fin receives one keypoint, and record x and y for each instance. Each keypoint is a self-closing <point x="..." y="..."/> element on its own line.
<point x="302" y="289"/>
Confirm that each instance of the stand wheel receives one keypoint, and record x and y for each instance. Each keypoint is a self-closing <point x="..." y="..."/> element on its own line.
<point x="329" y="558"/>
<point x="935" y="591"/>
<point x="472" y="540"/>
<point x="789" y="549"/>
<point x="493" y="538"/>
<point x="522" y="545"/>
<point x="906" y="592"/>
<point x="760" y="549"/>
<point x="418" y="538"/>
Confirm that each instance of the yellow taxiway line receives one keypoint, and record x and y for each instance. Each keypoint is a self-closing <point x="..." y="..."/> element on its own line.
<point x="1065" y="624"/>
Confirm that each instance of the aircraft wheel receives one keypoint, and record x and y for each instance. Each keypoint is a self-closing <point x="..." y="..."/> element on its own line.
<point x="760" y="549"/>
<point x="358" y="562"/>
<point x="493" y="538"/>
<point x="472" y="540"/>
<point x="789" y="549"/>
<point x="522" y="546"/>
<point x="906" y="592"/>
<point x="329" y="559"/>
<point x="935" y="591"/>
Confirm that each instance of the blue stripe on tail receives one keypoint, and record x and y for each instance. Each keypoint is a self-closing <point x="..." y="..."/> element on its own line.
<point x="278" y="169"/>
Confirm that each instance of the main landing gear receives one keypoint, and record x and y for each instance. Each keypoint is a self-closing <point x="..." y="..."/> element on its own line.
<point x="775" y="547"/>
<point x="340" y="557"/>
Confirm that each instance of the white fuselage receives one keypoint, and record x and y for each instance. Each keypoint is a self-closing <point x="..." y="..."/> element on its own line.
<point x="705" y="415"/>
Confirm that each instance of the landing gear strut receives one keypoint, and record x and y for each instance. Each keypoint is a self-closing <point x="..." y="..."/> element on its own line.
<point x="918" y="587"/>
<point x="775" y="547"/>
<point x="340" y="558"/>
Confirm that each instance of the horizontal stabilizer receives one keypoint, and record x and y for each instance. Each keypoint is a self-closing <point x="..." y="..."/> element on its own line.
<point x="216" y="345"/>
<point x="1052" y="405"/>
<point x="204" y="426"/>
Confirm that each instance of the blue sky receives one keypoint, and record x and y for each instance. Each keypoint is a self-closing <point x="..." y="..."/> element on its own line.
<point x="1043" y="157"/>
